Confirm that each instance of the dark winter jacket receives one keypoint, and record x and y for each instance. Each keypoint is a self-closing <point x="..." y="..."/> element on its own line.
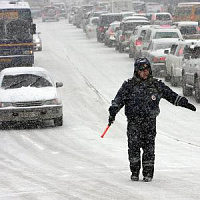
<point x="141" y="98"/>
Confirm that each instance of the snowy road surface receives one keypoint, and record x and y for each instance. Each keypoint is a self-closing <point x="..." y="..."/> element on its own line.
<point x="73" y="162"/>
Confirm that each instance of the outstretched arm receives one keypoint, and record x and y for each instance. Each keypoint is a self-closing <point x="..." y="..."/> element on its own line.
<point x="174" y="98"/>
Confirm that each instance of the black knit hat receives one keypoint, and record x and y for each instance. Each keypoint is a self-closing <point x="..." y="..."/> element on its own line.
<point x="141" y="64"/>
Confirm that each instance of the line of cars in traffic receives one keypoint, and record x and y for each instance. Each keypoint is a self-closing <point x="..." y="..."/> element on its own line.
<point x="173" y="48"/>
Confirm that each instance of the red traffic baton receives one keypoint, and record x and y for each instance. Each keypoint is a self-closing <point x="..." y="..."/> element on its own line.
<point x="105" y="131"/>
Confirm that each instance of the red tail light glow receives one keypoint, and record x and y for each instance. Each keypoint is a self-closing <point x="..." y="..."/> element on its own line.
<point x="138" y="43"/>
<point x="162" y="58"/>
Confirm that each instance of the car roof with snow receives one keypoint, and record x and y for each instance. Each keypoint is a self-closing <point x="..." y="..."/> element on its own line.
<point x="23" y="70"/>
<point x="186" y="23"/>
<point x="134" y="21"/>
<point x="164" y="40"/>
<point x="134" y="18"/>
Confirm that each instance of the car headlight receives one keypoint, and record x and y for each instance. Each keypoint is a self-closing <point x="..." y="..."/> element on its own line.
<point x="52" y="102"/>
<point x="28" y="52"/>
<point x="5" y="104"/>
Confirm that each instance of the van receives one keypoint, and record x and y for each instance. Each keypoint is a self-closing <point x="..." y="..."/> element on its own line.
<point x="187" y="12"/>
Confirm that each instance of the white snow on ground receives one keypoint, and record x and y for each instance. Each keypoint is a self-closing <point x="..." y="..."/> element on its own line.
<point x="73" y="161"/>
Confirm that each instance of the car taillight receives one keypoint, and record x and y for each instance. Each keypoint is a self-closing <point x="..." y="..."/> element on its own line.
<point x="162" y="58"/>
<point x="122" y="37"/>
<point x="138" y="43"/>
<point x="180" y="52"/>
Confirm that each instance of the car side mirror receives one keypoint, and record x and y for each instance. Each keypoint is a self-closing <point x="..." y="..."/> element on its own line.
<point x="33" y="29"/>
<point x="59" y="84"/>
<point x="166" y="51"/>
<point x="187" y="56"/>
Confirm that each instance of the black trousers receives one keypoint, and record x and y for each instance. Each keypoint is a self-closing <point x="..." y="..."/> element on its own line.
<point x="141" y="135"/>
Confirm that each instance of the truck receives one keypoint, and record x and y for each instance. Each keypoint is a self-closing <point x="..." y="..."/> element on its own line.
<point x="16" y="34"/>
<point x="117" y="6"/>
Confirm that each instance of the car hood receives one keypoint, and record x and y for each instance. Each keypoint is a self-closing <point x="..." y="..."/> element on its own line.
<point x="25" y="94"/>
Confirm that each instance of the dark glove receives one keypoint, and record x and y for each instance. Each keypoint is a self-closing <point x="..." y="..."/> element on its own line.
<point x="184" y="103"/>
<point x="111" y="120"/>
<point x="190" y="106"/>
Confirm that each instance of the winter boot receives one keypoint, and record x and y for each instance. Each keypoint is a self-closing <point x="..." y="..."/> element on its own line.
<point x="147" y="179"/>
<point x="134" y="177"/>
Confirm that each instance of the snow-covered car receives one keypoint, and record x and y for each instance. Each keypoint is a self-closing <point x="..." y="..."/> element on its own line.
<point x="110" y="34"/>
<point x="50" y="13"/>
<point x="191" y="72"/>
<point x="37" y="41"/>
<point x="90" y="28"/>
<point x="127" y="29"/>
<point x="135" y="44"/>
<point x="155" y="54"/>
<point x="174" y="61"/>
<point x="29" y="94"/>
<point x="158" y="32"/>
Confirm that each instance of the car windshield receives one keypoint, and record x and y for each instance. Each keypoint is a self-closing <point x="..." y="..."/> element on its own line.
<point x="24" y="80"/>
<point x="187" y="30"/>
<point x="163" y="17"/>
<point x="166" y="35"/>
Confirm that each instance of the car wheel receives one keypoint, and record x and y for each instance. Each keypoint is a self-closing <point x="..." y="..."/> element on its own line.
<point x="121" y="49"/>
<point x="109" y="44"/>
<point x="197" y="90"/>
<point x="167" y="77"/>
<point x="58" y="121"/>
<point x="174" y="81"/>
<point x="131" y="55"/>
<point x="187" y="91"/>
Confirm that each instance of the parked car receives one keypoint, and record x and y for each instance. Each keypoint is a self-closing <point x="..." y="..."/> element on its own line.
<point x="50" y="13"/>
<point x="127" y="29"/>
<point x="191" y="72"/>
<point x="161" y="18"/>
<point x="91" y="27"/>
<point x="174" y="61"/>
<point x="156" y="56"/>
<point x="29" y="94"/>
<point x="37" y="41"/>
<point x="135" y="42"/>
<point x="110" y="34"/>
<point x="104" y="21"/>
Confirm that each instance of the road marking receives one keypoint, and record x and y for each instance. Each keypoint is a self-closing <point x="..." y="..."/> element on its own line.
<point x="32" y="142"/>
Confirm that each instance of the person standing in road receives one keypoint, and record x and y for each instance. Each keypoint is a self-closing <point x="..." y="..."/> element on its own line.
<point x="141" y="96"/>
